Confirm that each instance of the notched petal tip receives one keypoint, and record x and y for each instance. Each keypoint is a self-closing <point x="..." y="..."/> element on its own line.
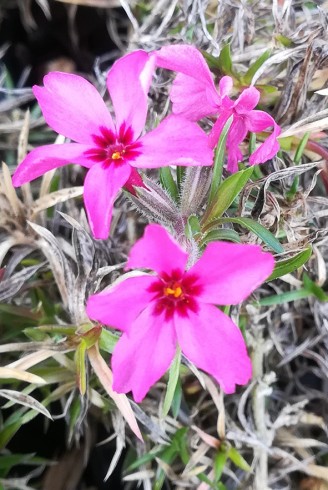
<point x="65" y="101"/>
<point x="157" y="251"/>
<point x="128" y="83"/>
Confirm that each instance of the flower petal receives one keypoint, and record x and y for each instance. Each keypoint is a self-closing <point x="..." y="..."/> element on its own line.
<point x="193" y="93"/>
<point x="214" y="344"/>
<point x="216" y="131"/>
<point x="186" y="59"/>
<point x="120" y="305"/>
<point x="101" y="187"/>
<point x="225" y="86"/>
<point x="176" y="141"/>
<point x="128" y="83"/>
<point x="192" y="99"/>
<point x="229" y="272"/>
<point x="72" y="106"/>
<point x="141" y="357"/>
<point x="237" y="133"/>
<point x="266" y="150"/>
<point x="158" y="251"/>
<point x="45" y="158"/>
<point x="247" y="100"/>
<point x="259" y="121"/>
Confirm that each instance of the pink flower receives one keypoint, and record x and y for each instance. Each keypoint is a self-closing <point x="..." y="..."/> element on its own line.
<point x="195" y="96"/>
<point x="74" y="108"/>
<point x="176" y="305"/>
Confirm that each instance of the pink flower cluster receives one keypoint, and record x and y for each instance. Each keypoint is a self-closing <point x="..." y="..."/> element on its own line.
<point x="176" y="305"/>
<point x="113" y="151"/>
<point x="173" y="304"/>
<point x="195" y="96"/>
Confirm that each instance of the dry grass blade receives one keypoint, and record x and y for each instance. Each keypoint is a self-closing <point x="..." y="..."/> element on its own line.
<point x="54" y="198"/>
<point x="10" y="190"/>
<point x="26" y="401"/>
<point x="105" y="376"/>
<point x="210" y="440"/>
<point x="15" y="483"/>
<point x="11" y="373"/>
<point x="315" y="126"/>
<point x="118" y="452"/>
<point x="9" y="287"/>
<point x="57" y="260"/>
<point x="5" y="246"/>
<point x="317" y="471"/>
<point x="21" y="154"/>
<point x="31" y="360"/>
<point x="32" y="346"/>
<point x="140" y="475"/>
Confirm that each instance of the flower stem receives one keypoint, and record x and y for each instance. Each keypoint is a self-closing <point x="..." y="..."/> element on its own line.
<point x="219" y="160"/>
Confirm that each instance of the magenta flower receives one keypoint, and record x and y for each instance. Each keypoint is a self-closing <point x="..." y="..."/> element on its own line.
<point x="74" y="108"/>
<point x="195" y="96"/>
<point x="176" y="305"/>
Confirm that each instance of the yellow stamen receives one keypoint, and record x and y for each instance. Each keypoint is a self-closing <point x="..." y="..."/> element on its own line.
<point x="176" y="291"/>
<point x="116" y="155"/>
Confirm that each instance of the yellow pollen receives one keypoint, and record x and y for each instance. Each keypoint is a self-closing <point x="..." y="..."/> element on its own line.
<point x="116" y="155"/>
<point x="176" y="291"/>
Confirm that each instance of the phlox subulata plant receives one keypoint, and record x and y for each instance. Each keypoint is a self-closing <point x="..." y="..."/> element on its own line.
<point x="144" y="302"/>
<point x="178" y="280"/>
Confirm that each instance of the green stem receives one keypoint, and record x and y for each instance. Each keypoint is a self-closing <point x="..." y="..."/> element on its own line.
<point x="219" y="160"/>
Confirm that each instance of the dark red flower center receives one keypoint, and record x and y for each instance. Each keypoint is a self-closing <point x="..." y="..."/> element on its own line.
<point x="176" y="293"/>
<point x="114" y="148"/>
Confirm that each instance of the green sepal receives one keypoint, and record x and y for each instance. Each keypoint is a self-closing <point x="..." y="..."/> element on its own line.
<point x="169" y="183"/>
<point x="79" y="359"/>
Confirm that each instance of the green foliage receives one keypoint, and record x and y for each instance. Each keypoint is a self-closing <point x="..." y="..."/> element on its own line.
<point x="247" y="78"/>
<point x="219" y="161"/>
<point x="310" y="289"/>
<point x="225" y="234"/>
<point x="268" y="238"/>
<point x="107" y="340"/>
<point x="172" y="383"/>
<point x="225" y="61"/>
<point x="10" y="461"/>
<point x="177" y="448"/>
<point x="169" y="183"/>
<point x="297" y="160"/>
<point x="286" y="266"/>
<point x="193" y="226"/>
<point x="226" y="194"/>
